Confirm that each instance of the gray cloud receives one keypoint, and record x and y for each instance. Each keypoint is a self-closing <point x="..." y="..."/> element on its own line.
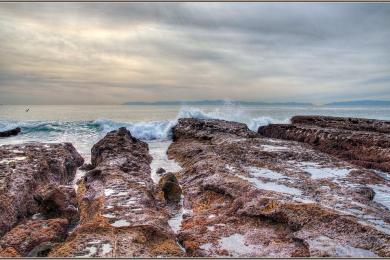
<point x="117" y="52"/>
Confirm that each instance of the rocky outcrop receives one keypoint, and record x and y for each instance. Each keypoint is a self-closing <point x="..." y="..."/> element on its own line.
<point x="35" y="237"/>
<point x="246" y="195"/>
<point x="363" y="142"/>
<point x="170" y="188"/>
<point x="26" y="171"/>
<point x="119" y="215"/>
<point x="205" y="129"/>
<point x="346" y="123"/>
<point x="11" y="132"/>
<point x="36" y="206"/>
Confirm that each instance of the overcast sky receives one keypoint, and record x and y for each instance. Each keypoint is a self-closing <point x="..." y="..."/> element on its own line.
<point x="110" y="53"/>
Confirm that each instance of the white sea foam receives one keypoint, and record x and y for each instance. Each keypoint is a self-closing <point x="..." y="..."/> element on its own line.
<point x="79" y="131"/>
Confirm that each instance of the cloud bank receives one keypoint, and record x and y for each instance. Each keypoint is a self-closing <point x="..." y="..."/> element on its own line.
<point x="110" y="53"/>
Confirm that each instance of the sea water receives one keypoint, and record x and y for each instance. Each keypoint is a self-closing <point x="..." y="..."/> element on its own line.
<point x="84" y="125"/>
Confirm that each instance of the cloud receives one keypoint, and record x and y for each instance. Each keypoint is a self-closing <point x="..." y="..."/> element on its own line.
<point x="118" y="52"/>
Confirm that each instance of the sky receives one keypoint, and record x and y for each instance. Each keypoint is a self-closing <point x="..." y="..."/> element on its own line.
<point x="110" y="53"/>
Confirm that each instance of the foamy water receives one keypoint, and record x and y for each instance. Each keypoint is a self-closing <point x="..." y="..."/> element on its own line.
<point x="83" y="126"/>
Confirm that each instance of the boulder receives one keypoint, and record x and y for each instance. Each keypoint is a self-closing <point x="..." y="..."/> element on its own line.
<point x="58" y="201"/>
<point x="11" y="132"/>
<point x="170" y="187"/>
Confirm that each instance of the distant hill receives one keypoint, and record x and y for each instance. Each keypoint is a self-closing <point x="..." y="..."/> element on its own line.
<point x="218" y="102"/>
<point x="360" y="103"/>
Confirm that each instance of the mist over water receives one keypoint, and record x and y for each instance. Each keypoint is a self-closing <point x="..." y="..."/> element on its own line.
<point x="85" y="125"/>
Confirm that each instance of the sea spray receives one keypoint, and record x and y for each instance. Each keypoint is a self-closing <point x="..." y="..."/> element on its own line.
<point x="76" y="131"/>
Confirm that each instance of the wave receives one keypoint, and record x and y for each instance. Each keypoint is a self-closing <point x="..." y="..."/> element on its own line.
<point x="149" y="130"/>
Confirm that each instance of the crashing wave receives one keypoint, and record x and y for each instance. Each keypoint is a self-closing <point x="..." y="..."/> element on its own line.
<point x="150" y="130"/>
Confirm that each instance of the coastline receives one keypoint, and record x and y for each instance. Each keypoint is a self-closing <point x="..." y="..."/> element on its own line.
<point x="318" y="186"/>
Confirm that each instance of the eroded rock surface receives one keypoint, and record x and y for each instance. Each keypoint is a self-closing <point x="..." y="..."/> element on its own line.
<point x="364" y="142"/>
<point x="25" y="171"/>
<point x="119" y="215"/>
<point x="35" y="237"/>
<point x="36" y="206"/>
<point x="246" y="195"/>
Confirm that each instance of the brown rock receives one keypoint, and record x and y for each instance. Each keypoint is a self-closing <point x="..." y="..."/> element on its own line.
<point x="170" y="187"/>
<point x="34" y="237"/>
<point x="24" y="170"/>
<point x="363" y="142"/>
<point x="366" y="192"/>
<point x="251" y="196"/>
<point x="119" y="216"/>
<point x="347" y="123"/>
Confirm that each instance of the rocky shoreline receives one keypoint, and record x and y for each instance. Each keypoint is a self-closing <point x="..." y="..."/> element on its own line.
<point x="319" y="186"/>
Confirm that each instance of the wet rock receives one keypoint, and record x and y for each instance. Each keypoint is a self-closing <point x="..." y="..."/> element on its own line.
<point x="33" y="236"/>
<point x="119" y="216"/>
<point x="251" y="196"/>
<point x="160" y="171"/>
<point x="363" y="142"/>
<point x="25" y="170"/>
<point x="366" y="192"/>
<point x="11" y="132"/>
<point x="205" y="129"/>
<point x="58" y="201"/>
<point x="170" y="187"/>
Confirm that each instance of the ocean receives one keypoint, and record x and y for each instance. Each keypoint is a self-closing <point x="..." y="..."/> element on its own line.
<point x="84" y="125"/>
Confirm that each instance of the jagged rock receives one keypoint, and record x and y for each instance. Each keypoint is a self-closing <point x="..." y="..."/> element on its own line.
<point x="33" y="236"/>
<point x="205" y="129"/>
<point x="11" y="132"/>
<point x="251" y="196"/>
<point x="347" y="123"/>
<point x="58" y="201"/>
<point x="363" y="142"/>
<point x="24" y="170"/>
<point x="119" y="216"/>
<point x="170" y="187"/>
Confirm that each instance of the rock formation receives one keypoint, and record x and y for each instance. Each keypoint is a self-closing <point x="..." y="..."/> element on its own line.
<point x="170" y="188"/>
<point x="119" y="215"/>
<point x="363" y="142"/>
<point x="35" y="207"/>
<point x="239" y="193"/>
<point x="10" y="132"/>
<point x="253" y="196"/>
